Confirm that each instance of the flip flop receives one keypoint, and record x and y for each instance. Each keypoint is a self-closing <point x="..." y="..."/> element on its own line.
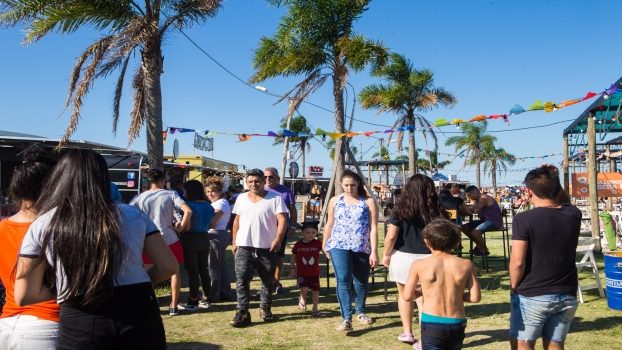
<point x="302" y="307"/>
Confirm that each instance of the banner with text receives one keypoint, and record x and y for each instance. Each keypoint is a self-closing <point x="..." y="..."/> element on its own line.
<point x="607" y="184"/>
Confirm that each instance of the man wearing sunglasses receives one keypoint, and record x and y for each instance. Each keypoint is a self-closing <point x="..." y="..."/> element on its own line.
<point x="273" y="184"/>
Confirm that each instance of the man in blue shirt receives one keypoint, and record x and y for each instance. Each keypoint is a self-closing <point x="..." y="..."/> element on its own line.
<point x="273" y="184"/>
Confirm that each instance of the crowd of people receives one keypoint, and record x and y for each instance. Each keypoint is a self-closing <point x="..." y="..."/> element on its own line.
<point x="75" y="260"/>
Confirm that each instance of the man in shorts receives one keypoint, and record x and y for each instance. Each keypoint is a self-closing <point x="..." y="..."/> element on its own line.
<point x="490" y="219"/>
<point x="160" y="205"/>
<point x="543" y="275"/>
<point x="273" y="184"/>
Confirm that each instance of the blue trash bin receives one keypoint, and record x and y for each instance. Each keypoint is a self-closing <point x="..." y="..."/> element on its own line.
<point x="613" y="275"/>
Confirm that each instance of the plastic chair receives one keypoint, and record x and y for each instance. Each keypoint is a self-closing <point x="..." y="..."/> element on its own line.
<point x="586" y="248"/>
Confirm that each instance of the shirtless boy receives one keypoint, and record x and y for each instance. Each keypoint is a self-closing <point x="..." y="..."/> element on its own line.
<point x="443" y="278"/>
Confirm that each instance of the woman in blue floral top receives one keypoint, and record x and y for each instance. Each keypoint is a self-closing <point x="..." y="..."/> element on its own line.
<point x="350" y="242"/>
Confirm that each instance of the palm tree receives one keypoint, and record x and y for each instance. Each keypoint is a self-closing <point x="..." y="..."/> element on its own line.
<point x="299" y="125"/>
<point x="431" y="165"/>
<point x="471" y="143"/>
<point x="330" y="144"/>
<point x="132" y="29"/>
<point x="315" y="39"/>
<point x="408" y="91"/>
<point x="382" y="154"/>
<point x="496" y="159"/>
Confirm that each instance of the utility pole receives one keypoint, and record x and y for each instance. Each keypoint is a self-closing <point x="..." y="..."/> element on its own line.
<point x="290" y="111"/>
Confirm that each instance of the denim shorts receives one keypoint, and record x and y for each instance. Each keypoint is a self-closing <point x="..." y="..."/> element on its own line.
<point x="482" y="225"/>
<point x="548" y="316"/>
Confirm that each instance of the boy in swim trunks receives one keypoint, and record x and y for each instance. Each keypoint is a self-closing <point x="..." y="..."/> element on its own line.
<point x="443" y="278"/>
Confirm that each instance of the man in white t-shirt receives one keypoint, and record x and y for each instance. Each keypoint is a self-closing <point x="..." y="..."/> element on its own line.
<point x="258" y="229"/>
<point x="160" y="204"/>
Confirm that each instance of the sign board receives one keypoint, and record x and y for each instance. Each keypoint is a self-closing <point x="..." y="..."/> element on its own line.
<point x="175" y="149"/>
<point x="607" y="184"/>
<point x="293" y="170"/>
<point x="316" y="171"/>
<point x="203" y="143"/>
<point x="301" y="207"/>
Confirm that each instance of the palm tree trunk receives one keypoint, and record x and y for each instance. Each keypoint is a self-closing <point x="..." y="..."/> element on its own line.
<point x="152" y="69"/>
<point x="478" y="172"/>
<point x="412" y="154"/>
<point x="493" y="169"/>
<point x="339" y="78"/>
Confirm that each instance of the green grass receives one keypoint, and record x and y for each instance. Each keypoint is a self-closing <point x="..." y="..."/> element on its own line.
<point x="595" y="326"/>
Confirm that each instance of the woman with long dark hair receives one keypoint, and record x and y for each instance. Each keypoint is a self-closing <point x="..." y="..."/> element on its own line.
<point x="403" y="243"/>
<point x="197" y="246"/>
<point x="33" y="326"/>
<point x="85" y="250"/>
<point x="350" y="242"/>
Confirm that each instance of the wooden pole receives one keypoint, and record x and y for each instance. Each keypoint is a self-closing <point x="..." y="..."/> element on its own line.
<point x="565" y="166"/>
<point x="591" y="171"/>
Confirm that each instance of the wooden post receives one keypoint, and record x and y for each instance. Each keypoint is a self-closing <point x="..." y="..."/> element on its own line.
<point x="565" y="166"/>
<point x="591" y="171"/>
<point x="609" y="169"/>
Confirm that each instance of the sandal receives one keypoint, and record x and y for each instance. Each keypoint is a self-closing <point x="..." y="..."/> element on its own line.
<point x="301" y="306"/>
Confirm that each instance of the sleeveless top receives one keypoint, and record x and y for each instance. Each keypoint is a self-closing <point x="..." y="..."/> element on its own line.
<point x="492" y="213"/>
<point x="351" y="227"/>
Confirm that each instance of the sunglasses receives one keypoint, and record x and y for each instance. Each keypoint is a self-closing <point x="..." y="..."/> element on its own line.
<point x="270" y="177"/>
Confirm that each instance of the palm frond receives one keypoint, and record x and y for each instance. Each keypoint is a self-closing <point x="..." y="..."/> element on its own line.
<point x="137" y="115"/>
<point x="188" y="12"/>
<point x="117" y="96"/>
<point x="96" y="53"/>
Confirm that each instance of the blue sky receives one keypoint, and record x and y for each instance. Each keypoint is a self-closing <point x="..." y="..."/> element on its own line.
<point x="489" y="54"/>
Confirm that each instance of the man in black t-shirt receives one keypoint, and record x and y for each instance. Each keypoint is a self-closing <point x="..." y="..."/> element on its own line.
<point x="543" y="275"/>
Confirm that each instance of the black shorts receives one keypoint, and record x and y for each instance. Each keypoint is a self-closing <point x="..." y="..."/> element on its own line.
<point x="130" y="319"/>
<point x="311" y="282"/>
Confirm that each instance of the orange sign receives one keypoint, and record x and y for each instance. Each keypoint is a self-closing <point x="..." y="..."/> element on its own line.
<point x="608" y="185"/>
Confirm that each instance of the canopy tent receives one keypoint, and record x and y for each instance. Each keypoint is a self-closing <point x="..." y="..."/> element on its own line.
<point x="586" y="148"/>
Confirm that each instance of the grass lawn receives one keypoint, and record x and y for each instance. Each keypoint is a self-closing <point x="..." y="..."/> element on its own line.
<point x="595" y="326"/>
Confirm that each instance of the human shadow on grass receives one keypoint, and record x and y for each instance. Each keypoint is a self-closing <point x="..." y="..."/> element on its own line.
<point x="193" y="346"/>
<point x="487" y="310"/>
<point x="372" y="328"/>
<point x="578" y="325"/>
<point x="490" y="336"/>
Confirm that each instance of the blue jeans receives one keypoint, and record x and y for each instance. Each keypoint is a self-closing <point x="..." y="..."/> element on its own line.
<point x="548" y="316"/>
<point x="350" y="267"/>
<point x="442" y="336"/>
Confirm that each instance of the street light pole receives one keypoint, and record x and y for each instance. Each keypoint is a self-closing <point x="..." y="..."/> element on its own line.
<point x="290" y="111"/>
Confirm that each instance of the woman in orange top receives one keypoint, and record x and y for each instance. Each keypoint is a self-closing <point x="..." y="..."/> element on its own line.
<point x="33" y="326"/>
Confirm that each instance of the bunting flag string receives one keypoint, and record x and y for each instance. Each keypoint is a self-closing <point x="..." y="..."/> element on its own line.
<point x="538" y="105"/>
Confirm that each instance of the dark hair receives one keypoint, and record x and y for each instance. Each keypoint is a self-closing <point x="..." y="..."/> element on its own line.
<point x="310" y="224"/>
<point x="193" y="191"/>
<point x="155" y="176"/>
<point x="471" y="188"/>
<point x="544" y="182"/>
<point x="84" y="234"/>
<point x="444" y="193"/>
<point x="29" y="176"/>
<point x="360" y="189"/>
<point x="255" y="172"/>
<point x="419" y="201"/>
<point x="442" y="235"/>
